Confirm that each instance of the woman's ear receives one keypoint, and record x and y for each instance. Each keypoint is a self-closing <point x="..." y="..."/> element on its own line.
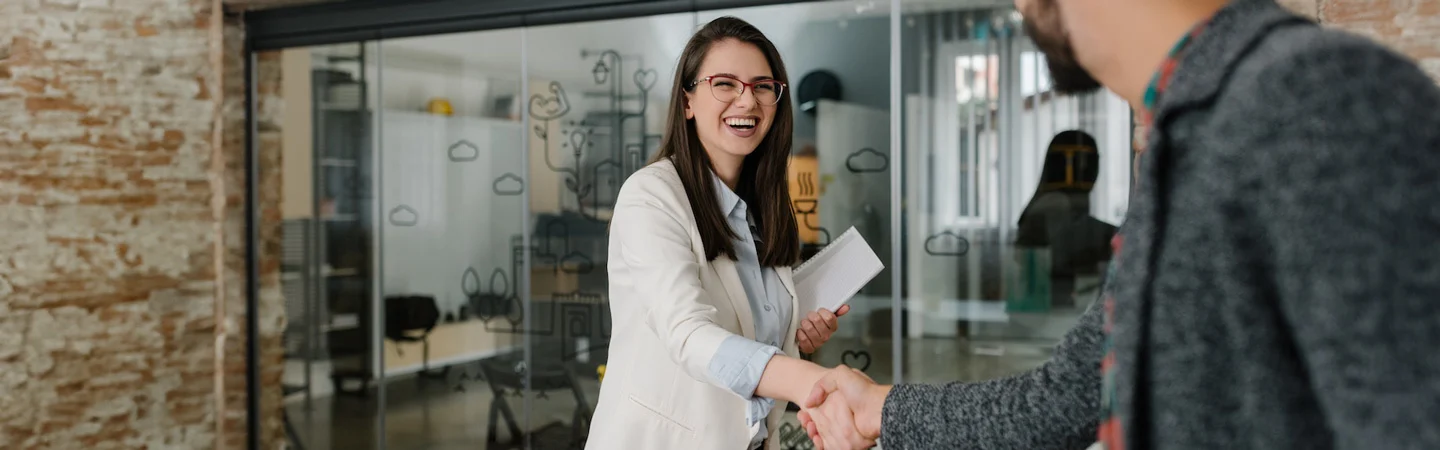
<point x="689" y="113"/>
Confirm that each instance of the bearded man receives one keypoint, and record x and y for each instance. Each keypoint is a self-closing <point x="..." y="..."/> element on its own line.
<point x="1277" y="278"/>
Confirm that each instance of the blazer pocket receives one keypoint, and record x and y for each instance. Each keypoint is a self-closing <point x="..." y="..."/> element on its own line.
<point x="660" y="415"/>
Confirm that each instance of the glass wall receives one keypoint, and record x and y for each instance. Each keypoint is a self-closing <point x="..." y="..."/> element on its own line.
<point x="447" y="197"/>
<point x="452" y="194"/>
<point x="1011" y="195"/>
<point x="329" y="256"/>
<point x="597" y="96"/>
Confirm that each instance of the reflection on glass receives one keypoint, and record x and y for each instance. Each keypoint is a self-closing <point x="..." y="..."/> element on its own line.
<point x="1012" y="191"/>
<point x="1057" y="226"/>
<point x="327" y="274"/>
<point x="451" y="196"/>
<point x="409" y="261"/>
<point x="597" y="96"/>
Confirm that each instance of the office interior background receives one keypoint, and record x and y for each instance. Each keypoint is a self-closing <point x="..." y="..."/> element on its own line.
<point x="221" y="235"/>
<point x="446" y="199"/>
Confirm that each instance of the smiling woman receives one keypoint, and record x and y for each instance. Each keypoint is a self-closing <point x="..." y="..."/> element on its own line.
<point x="711" y="319"/>
<point x="725" y="121"/>
<point x="499" y="207"/>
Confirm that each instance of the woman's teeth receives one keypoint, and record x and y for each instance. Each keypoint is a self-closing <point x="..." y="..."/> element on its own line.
<point x="740" y="123"/>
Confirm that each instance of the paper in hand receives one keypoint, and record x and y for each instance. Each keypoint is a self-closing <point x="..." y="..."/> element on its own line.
<point x="829" y="279"/>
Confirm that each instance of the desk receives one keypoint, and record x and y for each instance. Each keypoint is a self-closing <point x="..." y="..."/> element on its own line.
<point x="450" y="343"/>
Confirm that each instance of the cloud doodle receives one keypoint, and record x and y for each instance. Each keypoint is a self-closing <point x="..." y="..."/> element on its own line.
<point x="508" y="184"/>
<point x="867" y="160"/>
<point x="947" y="244"/>
<point x="404" y="216"/>
<point x="464" y="151"/>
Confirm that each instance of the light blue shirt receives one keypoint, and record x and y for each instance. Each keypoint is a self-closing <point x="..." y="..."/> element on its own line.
<point x="740" y="361"/>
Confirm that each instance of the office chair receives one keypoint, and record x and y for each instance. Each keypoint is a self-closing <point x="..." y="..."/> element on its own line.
<point x="411" y="318"/>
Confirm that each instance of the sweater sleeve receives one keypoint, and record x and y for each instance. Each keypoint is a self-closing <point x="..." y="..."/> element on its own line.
<point x="1055" y="406"/>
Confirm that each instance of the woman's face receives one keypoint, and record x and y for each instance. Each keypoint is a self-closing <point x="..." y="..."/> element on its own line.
<point x="732" y="129"/>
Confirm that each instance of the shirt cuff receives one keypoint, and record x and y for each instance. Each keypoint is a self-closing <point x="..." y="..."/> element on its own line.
<point x="739" y="363"/>
<point x="759" y="410"/>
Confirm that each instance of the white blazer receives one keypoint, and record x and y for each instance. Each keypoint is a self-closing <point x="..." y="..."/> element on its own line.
<point x="670" y="311"/>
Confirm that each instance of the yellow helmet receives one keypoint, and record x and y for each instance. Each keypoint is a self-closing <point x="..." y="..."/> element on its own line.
<point x="441" y="106"/>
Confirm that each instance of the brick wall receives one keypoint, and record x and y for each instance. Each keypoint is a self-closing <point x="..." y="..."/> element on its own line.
<point x="1410" y="26"/>
<point x="121" y="223"/>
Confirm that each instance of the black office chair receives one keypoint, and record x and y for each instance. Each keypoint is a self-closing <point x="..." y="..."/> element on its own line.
<point x="549" y="371"/>
<point x="411" y="318"/>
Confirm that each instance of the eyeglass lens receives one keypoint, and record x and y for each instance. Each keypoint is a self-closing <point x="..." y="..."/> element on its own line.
<point x="727" y="89"/>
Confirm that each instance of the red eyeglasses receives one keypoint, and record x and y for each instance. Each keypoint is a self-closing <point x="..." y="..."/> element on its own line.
<point x="727" y="89"/>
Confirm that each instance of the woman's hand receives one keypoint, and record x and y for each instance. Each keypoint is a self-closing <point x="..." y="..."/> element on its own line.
<point x="817" y="328"/>
<point x="843" y="410"/>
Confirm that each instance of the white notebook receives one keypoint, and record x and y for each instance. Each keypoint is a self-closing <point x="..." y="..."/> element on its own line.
<point x="831" y="277"/>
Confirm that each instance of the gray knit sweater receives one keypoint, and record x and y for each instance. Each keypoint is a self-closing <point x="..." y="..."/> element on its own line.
<point x="1279" y="287"/>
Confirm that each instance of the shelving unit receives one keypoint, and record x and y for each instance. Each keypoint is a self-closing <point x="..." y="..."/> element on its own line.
<point x="343" y="199"/>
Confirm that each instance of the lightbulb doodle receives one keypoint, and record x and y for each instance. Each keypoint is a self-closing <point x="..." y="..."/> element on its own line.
<point x="622" y="150"/>
<point x="592" y="156"/>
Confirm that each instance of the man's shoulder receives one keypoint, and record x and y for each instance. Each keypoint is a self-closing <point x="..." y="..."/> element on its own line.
<point x="1314" y="82"/>
<point x="1322" y="63"/>
<point x="1335" y="100"/>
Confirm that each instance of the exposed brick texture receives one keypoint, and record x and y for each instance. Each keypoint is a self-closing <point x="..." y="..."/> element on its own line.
<point x="1410" y="26"/>
<point x="1305" y="7"/>
<point x="121" y="223"/>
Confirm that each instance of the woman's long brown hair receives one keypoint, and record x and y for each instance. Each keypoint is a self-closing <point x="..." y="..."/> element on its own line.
<point x="763" y="180"/>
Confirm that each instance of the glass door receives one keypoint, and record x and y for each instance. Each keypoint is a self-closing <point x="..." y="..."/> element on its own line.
<point x="451" y="206"/>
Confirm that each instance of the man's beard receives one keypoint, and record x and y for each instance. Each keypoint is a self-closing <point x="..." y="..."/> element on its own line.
<point x="1066" y="74"/>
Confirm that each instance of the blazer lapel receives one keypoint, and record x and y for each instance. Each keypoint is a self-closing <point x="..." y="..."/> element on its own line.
<point x="787" y="279"/>
<point x="730" y="278"/>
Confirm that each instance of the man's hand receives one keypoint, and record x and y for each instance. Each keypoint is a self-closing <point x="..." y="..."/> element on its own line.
<point x="817" y="327"/>
<point x="832" y="426"/>
<point x="843" y="410"/>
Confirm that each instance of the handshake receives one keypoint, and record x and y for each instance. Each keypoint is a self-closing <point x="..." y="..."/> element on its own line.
<point x="843" y="410"/>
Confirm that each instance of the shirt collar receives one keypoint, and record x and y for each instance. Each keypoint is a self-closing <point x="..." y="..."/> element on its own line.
<point x="729" y="201"/>
<point x="1161" y="80"/>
